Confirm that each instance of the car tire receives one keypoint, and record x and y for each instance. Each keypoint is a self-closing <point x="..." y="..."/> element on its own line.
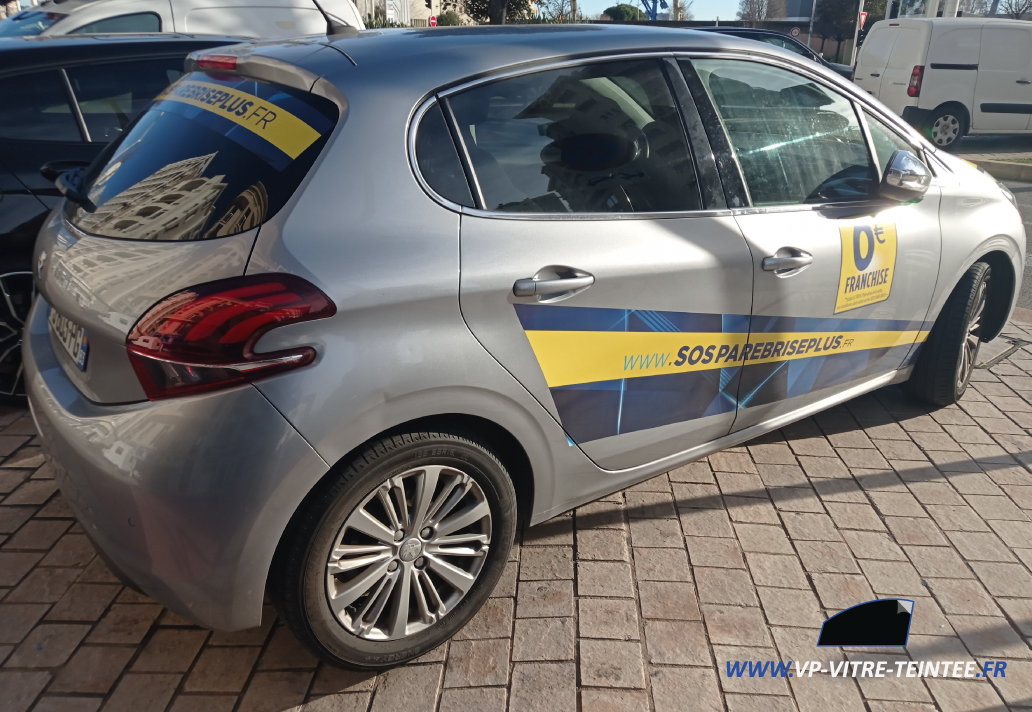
<point x="332" y="553"/>
<point x="16" y="294"/>
<point x="947" y="125"/>
<point x="948" y="356"/>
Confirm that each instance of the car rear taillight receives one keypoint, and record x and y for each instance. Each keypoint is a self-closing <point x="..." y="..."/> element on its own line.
<point x="914" y="88"/>
<point x="202" y="338"/>
<point x="217" y="61"/>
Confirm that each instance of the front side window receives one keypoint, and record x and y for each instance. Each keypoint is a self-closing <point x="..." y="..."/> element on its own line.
<point x="112" y="95"/>
<point x="137" y="22"/>
<point x="796" y="140"/>
<point x="886" y="142"/>
<point x="213" y="156"/>
<point x="34" y="107"/>
<point x="29" y="23"/>
<point x="598" y="138"/>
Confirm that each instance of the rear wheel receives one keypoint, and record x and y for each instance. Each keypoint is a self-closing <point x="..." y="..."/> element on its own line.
<point x="16" y="292"/>
<point x="949" y="355"/>
<point x="946" y="127"/>
<point x="392" y="556"/>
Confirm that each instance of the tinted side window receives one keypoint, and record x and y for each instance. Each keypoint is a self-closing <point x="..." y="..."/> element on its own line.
<point x="34" y="107"/>
<point x="796" y="141"/>
<point x="603" y="137"/>
<point x="138" y="22"/>
<point x="886" y="142"/>
<point x="111" y="95"/>
<point x="438" y="162"/>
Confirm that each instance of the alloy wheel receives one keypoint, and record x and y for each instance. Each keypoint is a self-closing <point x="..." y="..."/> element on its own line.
<point x="16" y="293"/>
<point x="409" y="553"/>
<point x="945" y="130"/>
<point x="973" y="335"/>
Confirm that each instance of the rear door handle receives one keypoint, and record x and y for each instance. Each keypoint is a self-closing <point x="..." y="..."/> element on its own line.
<point x="787" y="259"/>
<point x="1023" y="81"/>
<point x="875" y="74"/>
<point x="543" y="287"/>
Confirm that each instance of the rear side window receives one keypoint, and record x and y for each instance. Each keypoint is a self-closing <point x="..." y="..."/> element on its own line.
<point x="112" y="95"/>
<point x="212" y="157"/>
<point x="137" y="22"/>
<point x="598" y="138"/>
<point x="34" y="107"/>
<point x="1005" y="49"/>
<point x="437" y="160"/>
<point x="797" y="141"/>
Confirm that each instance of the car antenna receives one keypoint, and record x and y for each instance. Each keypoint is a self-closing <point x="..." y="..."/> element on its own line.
<point x="334" y="25"/>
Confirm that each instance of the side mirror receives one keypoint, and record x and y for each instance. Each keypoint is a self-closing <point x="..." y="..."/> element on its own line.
<point x="52" y="170"/>
<point x="70" y="185"/>
<point x="905" y="179"/>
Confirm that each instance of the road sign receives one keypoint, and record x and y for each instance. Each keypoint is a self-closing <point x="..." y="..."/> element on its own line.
<point x="433" y="20"/>
<point x="863" y="18"/>
<point x="794" y="32"/>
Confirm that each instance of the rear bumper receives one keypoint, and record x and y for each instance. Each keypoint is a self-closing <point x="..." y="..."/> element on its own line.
<point x="916" y="117"/>
<point x="188" y="497"/>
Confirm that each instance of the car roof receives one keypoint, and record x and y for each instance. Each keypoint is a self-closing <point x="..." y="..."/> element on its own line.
<point x="22" y="53"/>
<point x="734" y="29"/>
<point x="436" y="56"/>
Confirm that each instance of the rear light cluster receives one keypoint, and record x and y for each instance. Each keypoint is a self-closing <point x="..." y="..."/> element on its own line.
<point x="914" y="88"/>
<point x="202" y="338"/>
<point x="217" y="61"/>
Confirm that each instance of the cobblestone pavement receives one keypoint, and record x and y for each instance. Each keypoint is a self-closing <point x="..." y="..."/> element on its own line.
<point x="995" y="148"/>
<point x="634" y="602"/>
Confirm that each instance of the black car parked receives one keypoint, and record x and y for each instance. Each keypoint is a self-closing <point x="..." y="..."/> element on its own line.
<point x="62" y="99"/>
<point x="780" y="39"/>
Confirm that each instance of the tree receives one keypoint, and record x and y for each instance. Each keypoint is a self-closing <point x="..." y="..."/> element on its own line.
<point x="836" y="19"/>
<point x="555" y="10"/>
<point x="975" y="7"/>
<point x="757" y="12"/>
<point x="1016" y="9"/>
<point x="449" y="18"/>
<point x="624" y="13"/>
<point x="498" y="12"/>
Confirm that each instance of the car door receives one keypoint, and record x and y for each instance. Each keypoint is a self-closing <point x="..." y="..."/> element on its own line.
<point x="594" y="268"/>
<point x="1003" y="89"/>
<point x="842" y="281"/>
<point x="285" y="18"/>
<point x="874" y="57"/>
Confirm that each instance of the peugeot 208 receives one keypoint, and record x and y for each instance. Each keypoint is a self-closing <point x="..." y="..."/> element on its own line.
<point x="334" y="314"/>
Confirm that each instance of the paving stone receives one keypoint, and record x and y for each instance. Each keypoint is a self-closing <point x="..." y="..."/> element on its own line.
<point x="494" y="620"/>
<point x="692" y="472"/>
<point x="889" y="687"/>
<point x="540" y="639"/>
<point x="19" y="689"/>
<point x="956" y="519"/>
<point x="1014" y="534"/>
<point x="170" y="650"/>
<point x="873" y="545"/>
<point x="896" y="578"/>
<point x="277" y="690"/>
<point x="14" y="565"/>
<point x="668" y="600"/>
<point x="546" y="563"/>
<point x="854" y="516"/>
<point x="1003" y="579"/>
<point x="936" y="493"/>
<point x="330" y="679"/>
<point x="803" y="526"/>
<point x="26" y="458"/>
<point x="37" y="535"/>
<point x="751" y="509"/>
<point x="540" y="687"/>
<point x="989" y="636"/>
<point x="47" y="646"/>
<point x="34" y="492"/>
<point x="989" y="507"/>
<point x="477" y="662"/>
<point x="840" y="591"/>
<point x="614" y="618"/>
<point x="125" y="623"/>
<point x="677" y="643"/>
<point x="43" y="586"/>
<point x="729" y="586"/>
<point x="469" y="698"/>
<point x="812" y="446"/>
<point x="75" y="550"/>
<point x="602" y="545"/>
<point x="506" y="586"/>
<point x="62" y="703"/>
<point x="936" y="647"/>
<point x="797" y="499"/>
<point x="791" y="607"/>
<point x="826" y="557"/>
<point x="609" y="700"/>
<point x="222" y="669"/>
<point x="974" y="483"/>
<point x="555" y="532"/>
<point x="84" y="602"/>
<point x="777" y="571"/>
<point x="1016" y="687"/>
<point x="226" y="703"/>
<point x="656" y="533"/>
<point x="729" y="625"/>
<point x="963" y="596"/>
<point x="606" y="663"/>
<point x="93" y="669"/>
<point x="938" y="562"/>
<point x="672" y="686"/>
<point x="783" y="476"/>
<point x="651" y="505"/>
<point x="285" y="652"/>
<point x="978" y="546"/>
<point x="656" y="565"/>
<point x="961" y="696"/>
<point x="714" y="552"/>
<point x="759" y="703"/>
<point x="848" y="490"/>
<point x="729" y="461"/>
<point x="739" y="484"/>
<point x="17" y="619"/>
<point x="1019" y="610"/>
<point x="545" y="599"/>
<point x="601" y="515"/>
<point x="763" y="539"/>
<point x="824" y="467"/>
<point x="697" y="496"/>
<point x="705" y="522"/>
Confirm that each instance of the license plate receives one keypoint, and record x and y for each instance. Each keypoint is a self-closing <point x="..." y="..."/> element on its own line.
<point x="71" y="336"/>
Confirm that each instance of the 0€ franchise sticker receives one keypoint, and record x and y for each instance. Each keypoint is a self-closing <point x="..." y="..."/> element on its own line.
<point x="868" y="261"/>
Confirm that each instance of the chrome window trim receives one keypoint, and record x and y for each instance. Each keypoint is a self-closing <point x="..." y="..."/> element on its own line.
<point x="442" y="95"/>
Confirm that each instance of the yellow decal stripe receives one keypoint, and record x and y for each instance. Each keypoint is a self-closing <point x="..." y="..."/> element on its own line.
<point x="276" y="125"/>
<point x="571" y="357"/>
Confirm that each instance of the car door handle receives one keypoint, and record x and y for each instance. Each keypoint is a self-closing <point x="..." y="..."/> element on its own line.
<point x="777" y="263"/>
<point x="1023" y="81"/>
<point x="543" y="287"/>
<point x="875" y="74"/>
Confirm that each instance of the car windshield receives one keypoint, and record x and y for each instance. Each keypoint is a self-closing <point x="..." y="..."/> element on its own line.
<point x="29" y="22"/>
<point x="213" y="156"/>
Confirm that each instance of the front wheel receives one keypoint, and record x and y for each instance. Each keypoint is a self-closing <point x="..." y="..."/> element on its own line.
<point x="391" y="556"/>
<point x="947" y="358"/>
<point x="16" y="293"/>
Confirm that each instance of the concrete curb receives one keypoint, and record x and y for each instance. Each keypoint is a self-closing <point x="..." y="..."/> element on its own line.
<point x="1004" y="170"/>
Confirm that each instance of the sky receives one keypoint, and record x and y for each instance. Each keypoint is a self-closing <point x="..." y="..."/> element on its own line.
<point x="701" y="9"/>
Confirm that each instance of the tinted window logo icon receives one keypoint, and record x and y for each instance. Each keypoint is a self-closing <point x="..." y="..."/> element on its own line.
<point x="881" y="623"/>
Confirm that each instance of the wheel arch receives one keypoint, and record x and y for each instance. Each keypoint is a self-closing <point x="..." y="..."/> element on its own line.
<point x="1001" y="295"/>
<point x="956" y="106"/>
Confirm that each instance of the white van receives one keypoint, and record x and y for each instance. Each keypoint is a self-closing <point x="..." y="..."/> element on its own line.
<point x="951" y="76"/>
<point x="237" y="18"/>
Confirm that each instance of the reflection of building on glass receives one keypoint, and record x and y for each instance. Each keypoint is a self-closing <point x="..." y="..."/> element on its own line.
<point x="173" y="203"/>
<point x="247" y="211"/>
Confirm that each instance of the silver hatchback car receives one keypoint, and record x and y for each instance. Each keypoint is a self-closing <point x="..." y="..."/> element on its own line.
<point x="334" y="315"/>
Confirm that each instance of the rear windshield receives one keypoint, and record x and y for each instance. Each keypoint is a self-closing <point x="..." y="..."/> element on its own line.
<point x="213" y="156"/>
<point x="30" y="22"/>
